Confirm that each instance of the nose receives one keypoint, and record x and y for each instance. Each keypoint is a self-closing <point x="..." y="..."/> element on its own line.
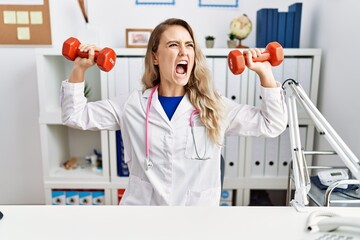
<point x="182" y="50"/>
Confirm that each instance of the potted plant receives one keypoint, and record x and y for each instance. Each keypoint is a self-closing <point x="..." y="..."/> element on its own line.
<point x="209" y="41"/>
<point x="232" y="41"/>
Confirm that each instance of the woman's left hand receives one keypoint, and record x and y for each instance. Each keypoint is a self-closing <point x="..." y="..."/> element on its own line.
<point x="263" y="69"/>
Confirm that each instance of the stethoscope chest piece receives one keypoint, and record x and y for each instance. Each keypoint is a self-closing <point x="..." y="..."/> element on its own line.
<point x="148" y="164"/>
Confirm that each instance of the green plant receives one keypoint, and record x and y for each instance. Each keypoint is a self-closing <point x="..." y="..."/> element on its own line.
<point x="87" y="90"/>
<point x="232" y="36"/>
<point x="209" y="37"/>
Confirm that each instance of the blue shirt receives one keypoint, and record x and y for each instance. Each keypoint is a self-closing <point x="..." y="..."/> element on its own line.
<point x="170" y="104"/>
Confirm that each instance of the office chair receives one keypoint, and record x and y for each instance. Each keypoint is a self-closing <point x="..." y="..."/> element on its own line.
<point x="222" y="170"/>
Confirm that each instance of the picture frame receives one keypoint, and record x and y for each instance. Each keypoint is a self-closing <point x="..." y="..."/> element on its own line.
<point x="137" y="37"/>
<point x="219" y="3"/>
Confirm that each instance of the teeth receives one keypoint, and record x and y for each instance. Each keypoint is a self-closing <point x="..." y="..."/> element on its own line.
<point x="182" y="62"/>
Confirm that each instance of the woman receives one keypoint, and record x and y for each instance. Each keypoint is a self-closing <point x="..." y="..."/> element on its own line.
<point x="177" y="160"/>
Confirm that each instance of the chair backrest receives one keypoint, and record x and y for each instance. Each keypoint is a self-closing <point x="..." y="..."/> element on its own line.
<point x="222" y="169"/>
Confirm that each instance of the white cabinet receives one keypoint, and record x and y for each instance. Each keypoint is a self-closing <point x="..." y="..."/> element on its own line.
<point x="251" y="163"/>
<point x="60" y="143"/>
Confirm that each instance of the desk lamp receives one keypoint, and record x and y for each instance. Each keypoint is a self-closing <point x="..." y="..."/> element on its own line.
<point x="300" y="170"/>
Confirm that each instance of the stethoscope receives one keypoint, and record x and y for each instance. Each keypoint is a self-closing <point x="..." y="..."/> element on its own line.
<point x="148" y="163"/>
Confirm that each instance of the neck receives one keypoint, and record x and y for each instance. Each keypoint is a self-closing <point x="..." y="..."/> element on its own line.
<point x="171" y="91"/>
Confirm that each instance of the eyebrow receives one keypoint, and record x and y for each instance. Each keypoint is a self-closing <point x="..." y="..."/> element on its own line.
<point x="174" y="41"/>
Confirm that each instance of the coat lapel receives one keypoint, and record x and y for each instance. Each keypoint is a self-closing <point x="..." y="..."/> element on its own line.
<point x="155" y="106"/>
<point x="184" y="106"/>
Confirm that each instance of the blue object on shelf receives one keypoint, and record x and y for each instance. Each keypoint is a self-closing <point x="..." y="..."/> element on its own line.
<point x="289" y="30"/>
<point x="281" y="28"/>
<point x="297" y="9"/>
<point x="261" y="27"/>
<point x="122" y="168"/>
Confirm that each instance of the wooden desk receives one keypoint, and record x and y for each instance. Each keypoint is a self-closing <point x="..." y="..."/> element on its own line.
<point x="120" y="222"/>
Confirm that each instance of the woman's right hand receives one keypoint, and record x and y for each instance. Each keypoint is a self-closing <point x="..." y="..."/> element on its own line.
<point x="82" y="64"/>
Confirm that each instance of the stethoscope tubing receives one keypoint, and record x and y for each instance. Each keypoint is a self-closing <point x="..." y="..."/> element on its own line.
<point x="148" y="163"/>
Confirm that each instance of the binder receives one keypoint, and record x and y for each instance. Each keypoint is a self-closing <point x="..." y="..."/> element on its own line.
<point x="284" y="153"/>
<point x="304" y="74"/>
<point x="281" y="28"/>
<point x="98" y="198"/>
<point x="261" y="28"/>
<point x="122" y="168"/>
<point x="271" y="156"/>
<point x="289" y="33"/>
<point x="72" y="197"/>
<point x="136" y="69"/>
<point x="121" y="85"/>
<point x="232" y="144"/>
<point x="297" y="9"/>
<point x="219" y="74"/>
<point x="233" y="86"/>
<point x="58" y="197"/>
<point x="290" y="68"/>
<point x="85" y="198"/>
<point x="271" y="29"/>
<point x="285" y="150"/>
<point x="257" y="156"/>
<point x="278" y="73"/>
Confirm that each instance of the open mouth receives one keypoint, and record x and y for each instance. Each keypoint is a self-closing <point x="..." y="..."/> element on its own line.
<point x="181" y="67"/>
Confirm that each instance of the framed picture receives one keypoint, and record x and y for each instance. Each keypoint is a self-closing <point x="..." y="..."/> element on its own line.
<point x="219" y="3"/>
<point x="137" y="37"/>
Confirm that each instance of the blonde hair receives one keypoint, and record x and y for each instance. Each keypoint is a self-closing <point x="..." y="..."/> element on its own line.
<point x="200" y="87"/>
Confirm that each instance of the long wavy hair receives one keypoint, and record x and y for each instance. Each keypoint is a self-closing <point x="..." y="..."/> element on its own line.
<point x="200" y="87"/>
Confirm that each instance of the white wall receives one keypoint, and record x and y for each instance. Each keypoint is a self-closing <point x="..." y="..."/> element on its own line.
<point x="20" y="164"/>
<point x="337" y="33"/>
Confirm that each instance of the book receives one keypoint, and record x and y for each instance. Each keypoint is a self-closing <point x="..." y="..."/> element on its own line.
<point x="272" y="23"/>
<point x="275" y="21"/>
<point x="297" y="9"/>
<point x="122" y="168"/>
<point x="282" y="16"/>
<point x="289" y="31"/>
<point x="261" y="27"/>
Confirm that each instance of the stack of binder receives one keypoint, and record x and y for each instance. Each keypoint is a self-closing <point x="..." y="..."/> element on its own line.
<point x="283" y="27"/>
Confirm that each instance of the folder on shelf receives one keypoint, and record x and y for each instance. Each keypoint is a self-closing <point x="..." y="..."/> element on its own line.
<point x="231" y="156"/>
<point x="257" y="156"/>
<point x="272" y="24"/>
<point x="85" y="198"/>
<point x="58" y="197"/>
<point x="98" y="197"/>
<point x="219" y="71"/>
<point x="284" y="154"/>
<point x="296" y="8"/>
<point x="289" y="32"/>
<point x="261" y="28"/>
<point x="285" y="150"/>
<point x="72" y="197"/>
<point x="122" y="168"/>
<point x="271" y="156"/>
<point x="281" y="29"/>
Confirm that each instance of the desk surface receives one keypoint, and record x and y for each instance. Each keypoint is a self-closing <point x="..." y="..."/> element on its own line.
<point x="120" y="222"/>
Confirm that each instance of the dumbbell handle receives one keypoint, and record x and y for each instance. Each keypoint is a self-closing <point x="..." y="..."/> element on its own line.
<point x="86" y="54"/>
<point x="265" y="56"/>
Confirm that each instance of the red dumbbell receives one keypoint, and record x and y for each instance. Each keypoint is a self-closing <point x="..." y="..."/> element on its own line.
<point x="274" y="53"/>
<point x="105" y="59"/>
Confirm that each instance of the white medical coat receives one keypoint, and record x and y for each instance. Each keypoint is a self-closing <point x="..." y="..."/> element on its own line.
<point x="177" y="177"/>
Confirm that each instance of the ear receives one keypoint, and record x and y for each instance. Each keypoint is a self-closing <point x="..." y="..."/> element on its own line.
<point x="155" y="59"/>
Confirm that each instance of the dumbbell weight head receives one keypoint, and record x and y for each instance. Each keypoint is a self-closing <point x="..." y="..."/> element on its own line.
<point x="105" y="59"/>
<point x="274" y="53"/>
<point x="236" y="62"/>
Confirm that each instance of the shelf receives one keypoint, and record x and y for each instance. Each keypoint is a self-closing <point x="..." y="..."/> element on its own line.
<point x="62" y="143"/>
